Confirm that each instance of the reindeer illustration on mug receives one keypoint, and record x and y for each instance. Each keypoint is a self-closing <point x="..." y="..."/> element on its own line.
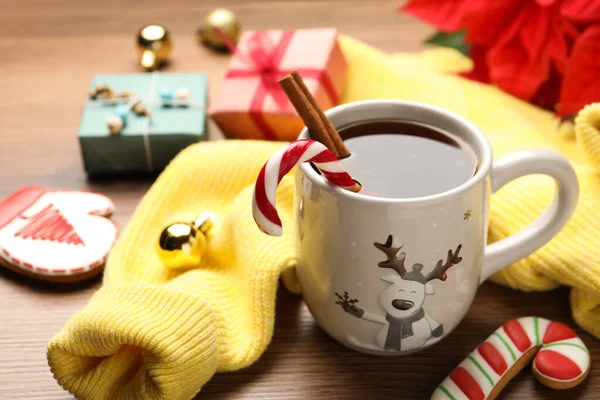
<point x="406" y="326"/>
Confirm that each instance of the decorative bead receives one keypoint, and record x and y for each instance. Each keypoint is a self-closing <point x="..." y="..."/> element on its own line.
<point x="122" y="112"/>
<point x="101" y="88"/>
<point x="109" y="94"/>
<point x="126" y="95"/>
<point x="166" y="96"/>
<point x="114" y="124"/>
<point x="181" y="245"/>
<point x="118" y="120"/>
<point x="182" y="94"/>
<point x="140" y="110"/>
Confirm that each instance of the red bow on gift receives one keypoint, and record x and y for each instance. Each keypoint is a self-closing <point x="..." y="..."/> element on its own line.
<point x="263" y="59"/>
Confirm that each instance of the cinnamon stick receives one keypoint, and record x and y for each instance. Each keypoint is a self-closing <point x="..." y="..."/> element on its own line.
<point x="320" y="127"/>
<point x="331" y="131"/>
<point x="307" y="112"/>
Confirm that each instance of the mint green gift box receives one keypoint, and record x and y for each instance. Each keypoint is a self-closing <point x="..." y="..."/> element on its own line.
<point x="145" y="145"/>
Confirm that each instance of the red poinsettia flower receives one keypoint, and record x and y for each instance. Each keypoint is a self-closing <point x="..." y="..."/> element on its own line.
<point x="581" y="84"/>
<point x="543" y="51"/>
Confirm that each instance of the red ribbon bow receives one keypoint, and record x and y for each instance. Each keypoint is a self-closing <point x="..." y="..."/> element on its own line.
<point x="263" y="59"/>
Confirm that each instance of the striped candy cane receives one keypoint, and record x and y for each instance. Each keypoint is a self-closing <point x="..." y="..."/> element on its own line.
<point x="263" y="200"/>
<point x="561" y="360"/>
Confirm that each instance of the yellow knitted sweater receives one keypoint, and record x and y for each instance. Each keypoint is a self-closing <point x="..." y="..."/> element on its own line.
<point x="154" y="333"/>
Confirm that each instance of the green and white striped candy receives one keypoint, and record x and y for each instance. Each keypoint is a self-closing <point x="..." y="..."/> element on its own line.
<point x="562" y="360"/>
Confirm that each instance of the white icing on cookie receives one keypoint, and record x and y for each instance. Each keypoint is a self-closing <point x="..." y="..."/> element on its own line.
<point x="562" y="360"/>
<point x="55" y="233"/>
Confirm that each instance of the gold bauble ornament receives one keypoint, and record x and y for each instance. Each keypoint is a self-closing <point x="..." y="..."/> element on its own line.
<point x="226" y="21"/>
<point x="154" y="46"/>
<point x="181" y="245"/>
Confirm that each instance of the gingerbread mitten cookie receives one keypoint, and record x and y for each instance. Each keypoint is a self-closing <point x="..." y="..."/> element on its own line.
<point x="61" y="236"/>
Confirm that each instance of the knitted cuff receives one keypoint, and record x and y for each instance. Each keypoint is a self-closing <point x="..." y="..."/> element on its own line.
<point x="586" y="311"/>
<point x="136" y="341"/>
<point x="587" y="130"/>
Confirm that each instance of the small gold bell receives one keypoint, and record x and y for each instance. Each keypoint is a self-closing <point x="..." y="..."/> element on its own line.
<point x="154" y="46"/>
<point x="226" y="21"/>
<point x="181" y="245"/>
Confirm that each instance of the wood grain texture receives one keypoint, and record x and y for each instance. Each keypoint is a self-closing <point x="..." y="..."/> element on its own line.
<point x="49" y="51"/>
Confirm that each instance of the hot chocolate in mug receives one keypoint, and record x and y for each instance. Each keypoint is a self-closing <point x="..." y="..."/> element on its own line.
<point x="391" y="276"/>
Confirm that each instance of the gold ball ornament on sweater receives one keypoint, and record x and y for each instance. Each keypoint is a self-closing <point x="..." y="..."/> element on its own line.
<point x="154" y="46"/>
<point x="224" y="20"/>
<point x="182" y="244"/>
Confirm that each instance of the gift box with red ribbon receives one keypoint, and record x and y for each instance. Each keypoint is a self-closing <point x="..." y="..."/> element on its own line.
<point x="252" y="105"/>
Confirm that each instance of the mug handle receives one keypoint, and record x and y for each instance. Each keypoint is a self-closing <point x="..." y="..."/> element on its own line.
<point x="511" y="249"/>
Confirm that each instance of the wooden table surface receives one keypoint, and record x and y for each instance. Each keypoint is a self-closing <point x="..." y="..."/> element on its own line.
<point x="48" y="52"/>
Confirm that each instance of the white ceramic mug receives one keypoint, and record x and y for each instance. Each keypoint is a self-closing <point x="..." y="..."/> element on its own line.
<point x="403" y="301"/>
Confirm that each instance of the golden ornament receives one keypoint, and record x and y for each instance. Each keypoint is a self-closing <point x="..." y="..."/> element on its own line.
<point x="154" y="46"/>
<point x="181" y="245"/>
<point x="226" y="21"/>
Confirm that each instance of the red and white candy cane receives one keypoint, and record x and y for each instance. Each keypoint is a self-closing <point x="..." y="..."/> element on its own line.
<point x="263" y="200"/>
<point x="561" y="360"/>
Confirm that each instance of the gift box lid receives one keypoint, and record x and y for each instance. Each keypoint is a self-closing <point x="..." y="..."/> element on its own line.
<point x="147" y="87"/>
<point x="145" y="145"/>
